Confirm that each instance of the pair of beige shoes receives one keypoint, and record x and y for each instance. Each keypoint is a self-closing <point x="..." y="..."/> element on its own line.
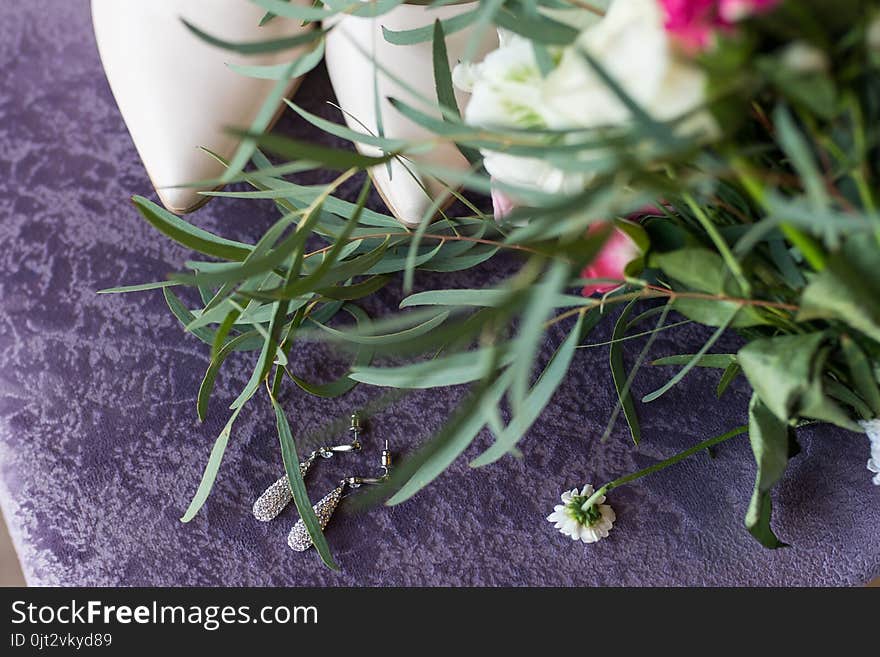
<point x="178" y="93"/>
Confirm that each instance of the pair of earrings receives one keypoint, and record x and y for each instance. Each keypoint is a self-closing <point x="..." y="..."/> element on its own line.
<point x="278" y="495"/>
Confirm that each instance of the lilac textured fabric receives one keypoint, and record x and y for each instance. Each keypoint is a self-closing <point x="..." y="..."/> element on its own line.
<point x="100" y="448"/>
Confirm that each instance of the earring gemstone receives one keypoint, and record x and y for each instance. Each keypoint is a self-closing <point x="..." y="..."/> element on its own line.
<point x="299" y="538"/>
<point x="278" y="495"/>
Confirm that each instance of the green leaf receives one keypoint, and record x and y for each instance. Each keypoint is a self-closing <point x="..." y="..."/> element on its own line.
<point x="779" y="369"/>
<point x="795" y="146"/>
<point x="717" y="361"/>
<point x="329" y="158"/>
<point x="476" y="257"/>
<point x="730" y="373"/>
<point x="223" y="331"/>
<point x="210" y="473"/>
<point x="298" y="487"/>
<point x="267" y="354"/>
<point x="345" y="383"/>
<point x="138" y="288"/>
<point x="391" y="263"/>
<point x="182" y="313"/>
<point x="442" y="73"/>
<point x="531" y="331"/>
<point x="425" y="33"/>
<point x="345" y="132"/>
<point x="536" y="28"/>
<point x="436" y="373"/>
<point x="692" y="363"/>
<point x="188" y="235"/>
<point x="355" y="291"/>
<point x="251" y="267"/>
<point x="848" y="289"/>
<point x="786" y="372"/>
<point x="256" y="47"/>
<point x="618" y="373"/>
<point x="769" y="437"/>
<point x="207" y="385"/>
<point x="537" y="399"/>
<point x="480" y="298"/>
<point x="390" y="338"/>
<point x="452" y="440"/>
<point x="863" y="376"/>
<point x="705" y="271"/>
<point x="697" y="268"/>
<point x="306" y="195"/>
<point x="302" y="66"/>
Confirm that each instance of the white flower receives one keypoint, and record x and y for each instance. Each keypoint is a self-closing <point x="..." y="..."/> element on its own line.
<point x="587" y="524"/>
<point x="872" y="428"/>
<point x="505" y="92"/>
<point x="801" y="57"/>
<point x="505" y="87"/>
<point x="630" y="43"/>
<point x="532" y="173"/>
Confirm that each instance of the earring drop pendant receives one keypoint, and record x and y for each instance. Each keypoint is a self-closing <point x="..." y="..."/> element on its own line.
<point x="298" y="539"/>
<point x="277" y="496"/>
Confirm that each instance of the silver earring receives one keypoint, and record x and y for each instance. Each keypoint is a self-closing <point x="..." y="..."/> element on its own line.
<point x="277" y="496"/>
<point x="299" y="538"/>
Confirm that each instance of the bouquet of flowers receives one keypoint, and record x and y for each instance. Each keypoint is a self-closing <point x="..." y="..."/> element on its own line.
<point x="711" y="160"/>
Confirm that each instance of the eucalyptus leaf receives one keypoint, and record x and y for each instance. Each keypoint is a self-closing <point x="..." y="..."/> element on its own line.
<point x="188" y="235"/>
<point x="848" y="289"/>
<point x="453" y="439"/>
<point x="449" y="370"/>
<point x="298" y="487"/>
<point x="769" y="437"/>
<point x="537" y="399"/>
<point x="619" y="376"/>
<point x="211" y="469"/>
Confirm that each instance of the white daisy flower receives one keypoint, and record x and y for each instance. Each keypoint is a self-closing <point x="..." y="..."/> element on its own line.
<point x="586" y="523"/>
<point x="872" y="428"/>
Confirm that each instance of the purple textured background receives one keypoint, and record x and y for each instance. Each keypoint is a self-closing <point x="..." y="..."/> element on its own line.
<point x="100" y="448"/>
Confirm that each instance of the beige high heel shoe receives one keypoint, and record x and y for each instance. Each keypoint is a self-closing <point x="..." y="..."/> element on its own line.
<point x="349" y="48"/>
<point x="176" y="92"/>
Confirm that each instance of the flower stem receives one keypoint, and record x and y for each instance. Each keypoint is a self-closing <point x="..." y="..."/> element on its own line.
<point x="672" y="460"/>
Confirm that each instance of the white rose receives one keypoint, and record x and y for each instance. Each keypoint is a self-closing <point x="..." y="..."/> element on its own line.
<point x="532" y="173"/>
<point x="506" y="92"/>
<point x="505" y="87"/>
<point x="630" y="44"/>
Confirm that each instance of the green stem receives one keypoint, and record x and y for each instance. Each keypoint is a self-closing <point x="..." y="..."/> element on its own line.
<point x="720" y="244"/>
<point x="672" y="460"/>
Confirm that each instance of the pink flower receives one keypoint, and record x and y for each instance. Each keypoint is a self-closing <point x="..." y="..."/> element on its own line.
<point x="737" y="10"/>
<point x="617" y="252"/>
<point x="501" y="204"/>
<point x="695" y="23"/>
